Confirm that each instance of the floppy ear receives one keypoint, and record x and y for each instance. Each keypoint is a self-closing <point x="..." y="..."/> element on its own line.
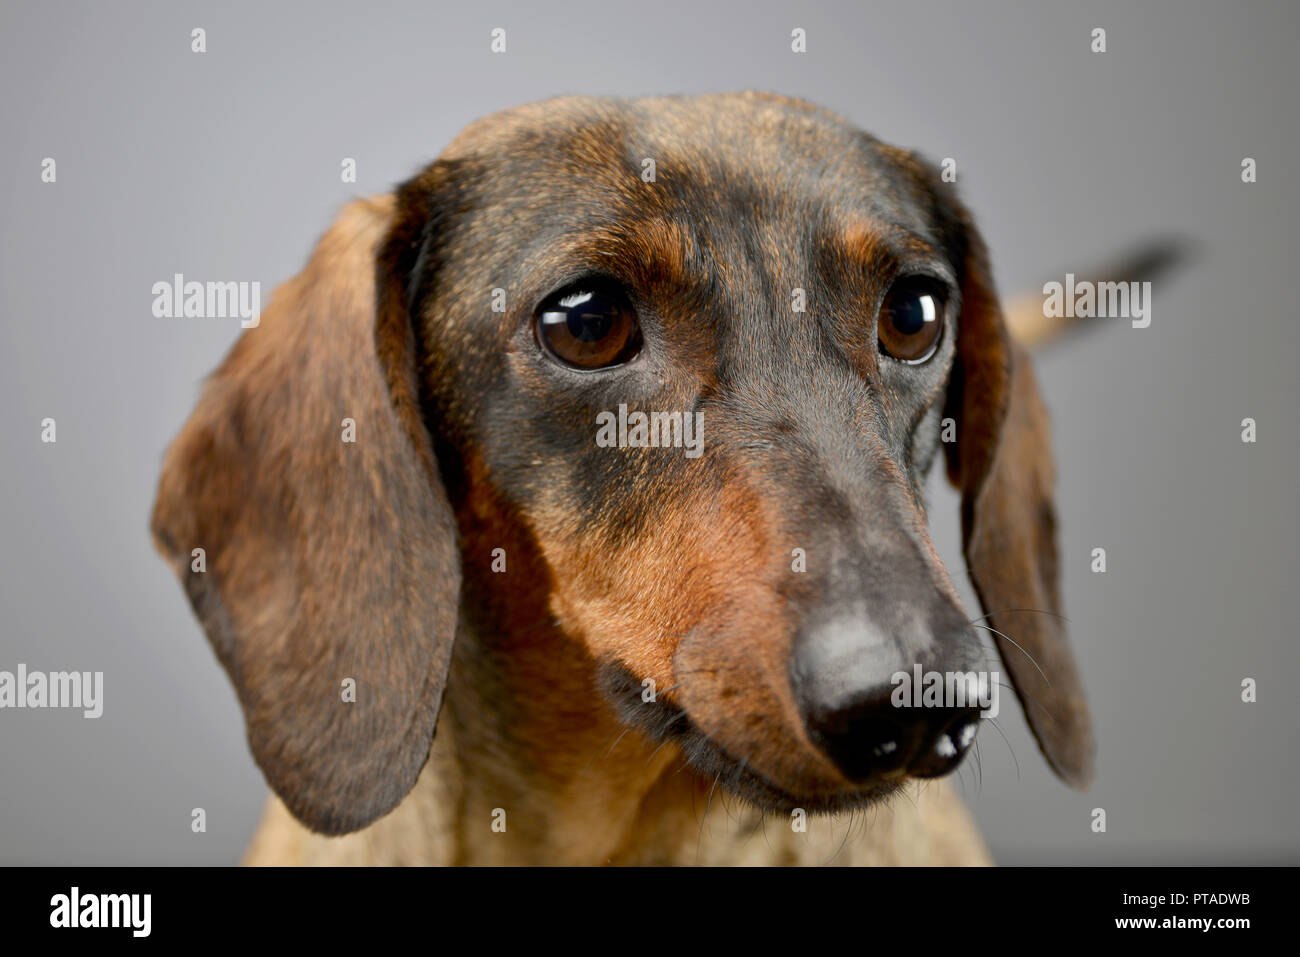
<point x="1002" y="462"/>
<point x="326" y="560"/>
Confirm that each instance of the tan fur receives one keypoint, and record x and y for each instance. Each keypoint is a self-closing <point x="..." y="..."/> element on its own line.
<point x="675" y="822"/>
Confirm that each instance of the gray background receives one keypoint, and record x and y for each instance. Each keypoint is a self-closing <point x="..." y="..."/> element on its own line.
<point x="226" y="166"/>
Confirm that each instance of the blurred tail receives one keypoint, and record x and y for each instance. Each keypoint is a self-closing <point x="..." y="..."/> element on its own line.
<point x="1032" y="328"/>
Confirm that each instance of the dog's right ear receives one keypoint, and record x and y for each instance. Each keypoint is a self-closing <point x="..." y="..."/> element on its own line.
<point x="307" y="476"/>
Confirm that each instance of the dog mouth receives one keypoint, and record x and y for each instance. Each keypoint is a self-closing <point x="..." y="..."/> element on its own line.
<point x="664" y="722"/>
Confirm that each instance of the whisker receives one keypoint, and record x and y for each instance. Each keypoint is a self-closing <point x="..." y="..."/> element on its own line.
<point x="737" y="773"/>
<point x="1005" y="611"/>
<point x="616" y="741"/>
<point x="1008" y="743"/>
<point x="666" y="741"/>
<point x="844" y="840"/>
<point x="1022" y="650"/>
<point x="699" y="841"/>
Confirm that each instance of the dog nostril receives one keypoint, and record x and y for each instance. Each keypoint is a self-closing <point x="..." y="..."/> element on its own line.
<point x="948" y="747"/>
<point x="886" y="747"/>
<point x="952" y="743"/>
<point x="864" y="740"/>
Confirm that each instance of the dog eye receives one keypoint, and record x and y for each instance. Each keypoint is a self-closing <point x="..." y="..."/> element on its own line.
<point x="911" y="319"/>
<point x="588" y="326"/>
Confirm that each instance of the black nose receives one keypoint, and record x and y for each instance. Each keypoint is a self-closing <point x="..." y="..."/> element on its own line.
<point x="871" y="738"/>
<point x="847" y="682"/>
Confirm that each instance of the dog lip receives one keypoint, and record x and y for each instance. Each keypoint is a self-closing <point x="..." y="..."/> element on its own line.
<point x="711" y="759"/>
<point x="666" y="722"/>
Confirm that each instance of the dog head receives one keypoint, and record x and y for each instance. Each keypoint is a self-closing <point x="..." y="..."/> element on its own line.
<point x="665" y="376"/>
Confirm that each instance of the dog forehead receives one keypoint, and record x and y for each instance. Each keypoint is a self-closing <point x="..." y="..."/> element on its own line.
<point x="684" y="192"/>
<point x="689" y="152"/>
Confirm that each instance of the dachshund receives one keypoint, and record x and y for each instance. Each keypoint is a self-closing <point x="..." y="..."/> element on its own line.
<point x="443" y="482"/>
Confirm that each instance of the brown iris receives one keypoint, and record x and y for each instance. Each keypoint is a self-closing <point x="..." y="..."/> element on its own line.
<point x="911" y="319"/>
<point x="588" y="326"/>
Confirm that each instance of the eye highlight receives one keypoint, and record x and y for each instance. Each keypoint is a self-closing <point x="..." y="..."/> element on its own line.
<point x="911" y="319"/>
<point x="589" y="325"/>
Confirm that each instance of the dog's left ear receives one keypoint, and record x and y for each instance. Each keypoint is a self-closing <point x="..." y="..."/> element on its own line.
<point x="330" y="573"/>
<point x="1002" y="463"/>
